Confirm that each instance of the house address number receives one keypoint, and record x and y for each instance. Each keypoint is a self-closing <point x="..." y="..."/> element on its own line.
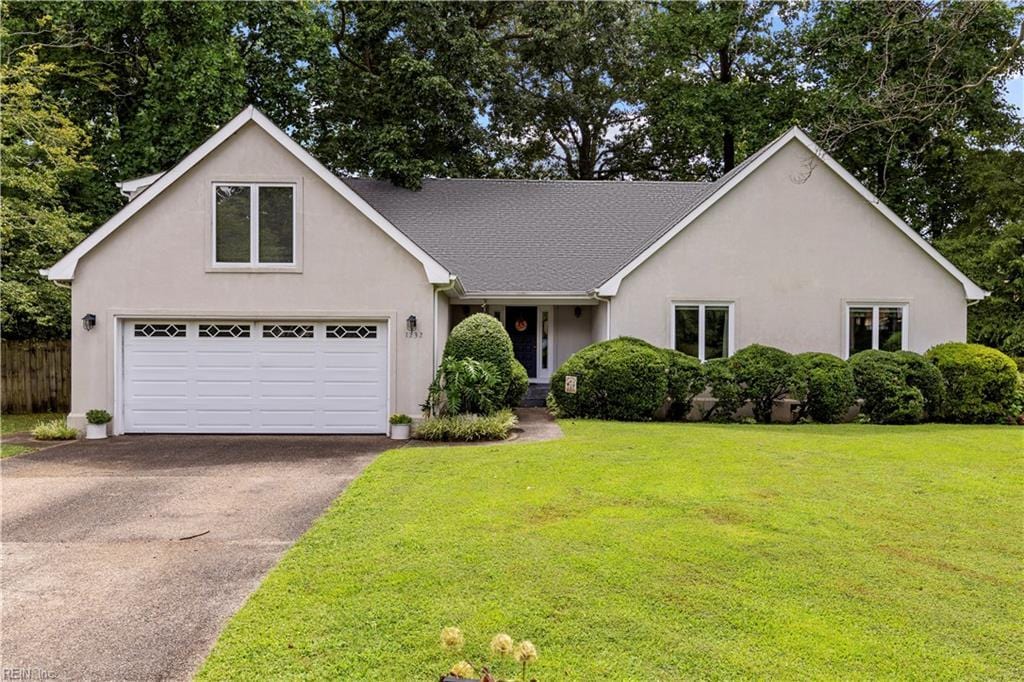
<point x="570" y="384"/>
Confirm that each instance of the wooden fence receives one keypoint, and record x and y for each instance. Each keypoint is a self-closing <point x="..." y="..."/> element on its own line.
<point x="35" y="376"/>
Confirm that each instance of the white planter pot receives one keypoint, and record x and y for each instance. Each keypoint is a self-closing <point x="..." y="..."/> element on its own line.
<point x="400" y="431"/>
<point x="95" y="431"/>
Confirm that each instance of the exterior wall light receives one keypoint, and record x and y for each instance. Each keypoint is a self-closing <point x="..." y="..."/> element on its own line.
<point x="410" y="324"/>
<point x="88" y="322"/>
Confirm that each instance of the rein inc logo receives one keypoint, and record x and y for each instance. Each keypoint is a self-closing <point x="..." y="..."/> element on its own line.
<point x="29" y="674"/>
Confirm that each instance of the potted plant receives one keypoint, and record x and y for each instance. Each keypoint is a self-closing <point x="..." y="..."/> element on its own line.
<point x="97" y="426"/>
<point x="400" y="426"/>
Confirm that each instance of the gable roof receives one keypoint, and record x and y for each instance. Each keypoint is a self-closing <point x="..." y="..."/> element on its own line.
<point x="727" y="182"/>
<point x="531" y="236"/>
<point x="64" y="269"/>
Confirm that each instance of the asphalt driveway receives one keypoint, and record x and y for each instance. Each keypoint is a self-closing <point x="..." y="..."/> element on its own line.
<point x="97" y="580"/>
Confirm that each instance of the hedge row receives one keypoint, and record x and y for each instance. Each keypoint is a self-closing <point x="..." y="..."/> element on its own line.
<point x="631" y="380"/>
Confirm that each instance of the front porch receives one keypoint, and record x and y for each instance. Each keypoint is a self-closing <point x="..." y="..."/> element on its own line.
<point x="544" y="334"/>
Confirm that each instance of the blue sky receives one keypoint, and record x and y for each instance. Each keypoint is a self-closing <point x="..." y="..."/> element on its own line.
<point x="1015" y="93"/>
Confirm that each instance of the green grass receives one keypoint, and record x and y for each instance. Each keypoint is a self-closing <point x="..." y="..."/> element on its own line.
<point x="19" y="423"/>
<point x="662" y="552"/>
<point x="7" y="450"/>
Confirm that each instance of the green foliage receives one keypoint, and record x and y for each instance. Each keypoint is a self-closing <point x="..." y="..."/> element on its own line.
<point x="980" y="382"/>
<point x="468" y="427"/>
<point x="42" y="152"/>
<point x="925" y="377"/>
<point x="996" y="263"/>
<point x="764" y="375"/>
<point x="624" y="378"/>
<point x="398" y="419"/>
<point x="685" y="382"/>
<point x="97" y="416"/>
<point x="721" y="383"/>
<point x="465" y="386"/>
<point x="881" y="380"/>
<point x="57" y="429"/>
<point x="483" y="338"/>
<point x="824" y="386"/>
<point x="1017" y="404"/>
<point x="517" y="386"/>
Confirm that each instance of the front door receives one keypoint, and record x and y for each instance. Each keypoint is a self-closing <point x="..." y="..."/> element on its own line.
<point x="521" y="323"/>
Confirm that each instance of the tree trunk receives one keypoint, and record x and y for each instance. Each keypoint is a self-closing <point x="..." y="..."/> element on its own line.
<point x="728" y="139"/>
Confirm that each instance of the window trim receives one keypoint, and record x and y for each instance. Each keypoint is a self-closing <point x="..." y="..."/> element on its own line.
<point x="254" y="264"/>
<point x="701" y="305"/>
<point x="875" y="304"/>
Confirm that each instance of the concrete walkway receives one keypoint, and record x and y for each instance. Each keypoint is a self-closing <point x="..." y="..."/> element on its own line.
<point x="99" y="579"/>
<point x="535" y="425"/>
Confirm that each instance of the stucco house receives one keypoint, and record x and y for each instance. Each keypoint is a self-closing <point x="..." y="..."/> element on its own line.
<point x="249" y="289"/>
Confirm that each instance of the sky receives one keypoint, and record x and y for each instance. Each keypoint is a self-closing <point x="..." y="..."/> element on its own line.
<point x="1015" y="93"/>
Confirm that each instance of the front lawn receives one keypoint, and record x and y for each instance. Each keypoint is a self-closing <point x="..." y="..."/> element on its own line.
<point x="19" y="423"/>
<point x="662" y="551"/>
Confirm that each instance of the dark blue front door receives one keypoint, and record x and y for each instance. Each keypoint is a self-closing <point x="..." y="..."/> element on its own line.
<point x="521" y="323"/>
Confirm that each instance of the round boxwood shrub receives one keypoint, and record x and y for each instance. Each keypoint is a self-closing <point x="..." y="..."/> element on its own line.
<point x="482" y="338"/>
<point x="685" y="382"/>
<point x="624" y="379"/>
<point x="881" y="380"/>
<point x="518" y="385"/>
<point x="980" y="382"/>
<point x="925" y="377"/>
<point x="824" y="386"/>
<point x="717" y="378"/>
<point x="764" y="374"/>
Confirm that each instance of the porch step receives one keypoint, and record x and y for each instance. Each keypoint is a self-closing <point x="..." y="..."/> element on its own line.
<point x="536" y="396"/>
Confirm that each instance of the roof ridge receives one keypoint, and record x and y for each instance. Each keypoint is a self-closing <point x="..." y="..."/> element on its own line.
<point x="548" y="181"/>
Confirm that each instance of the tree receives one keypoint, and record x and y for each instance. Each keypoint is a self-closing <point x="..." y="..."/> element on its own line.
<point x="906" y="93"/>
<point x="719" y="83"/>
<point x="396" y="88"/>
<point x="560" y="105"/>
<point x="42" y="151"/>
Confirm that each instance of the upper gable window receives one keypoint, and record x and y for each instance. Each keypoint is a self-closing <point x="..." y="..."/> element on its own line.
<point x="254" y="224"/>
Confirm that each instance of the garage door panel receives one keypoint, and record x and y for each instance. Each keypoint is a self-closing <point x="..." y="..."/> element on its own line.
<point x="195" y="382"/>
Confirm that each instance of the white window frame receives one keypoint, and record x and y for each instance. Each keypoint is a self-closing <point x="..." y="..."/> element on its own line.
<point x="701" y="305"/>
<point x="875" y="305"/>
<point x="254" y="226"/>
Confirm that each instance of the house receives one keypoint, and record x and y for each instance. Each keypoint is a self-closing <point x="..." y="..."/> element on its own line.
<point x="249" y="289"/>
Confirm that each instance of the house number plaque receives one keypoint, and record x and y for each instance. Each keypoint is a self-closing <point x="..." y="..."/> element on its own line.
<point x="570" y="384"/>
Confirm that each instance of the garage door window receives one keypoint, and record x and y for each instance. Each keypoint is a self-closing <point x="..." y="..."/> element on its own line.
<point x="287" y="331"/>
<point x="224" y="331"/>
<point x="160" y="330"/>
<point x="350" y="331"/>
<point x="254" y="224"/>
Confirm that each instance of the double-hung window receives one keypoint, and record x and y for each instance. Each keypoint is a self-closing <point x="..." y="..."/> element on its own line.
<point x="253" y="224"/>
<point x="703" y="330"/>
<point x="875" y="327"/>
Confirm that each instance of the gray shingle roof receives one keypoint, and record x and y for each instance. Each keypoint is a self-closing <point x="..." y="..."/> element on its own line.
<point x="533" y="235"/>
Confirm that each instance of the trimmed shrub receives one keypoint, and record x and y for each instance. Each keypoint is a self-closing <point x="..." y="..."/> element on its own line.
<point x="764" y="374"/>
<point x="56" y="429"/>
<point x="685" y="382"/>
<point x="720" y="382"/>
<point x="482" y="338"/>
<point x="464" y="387"/>
<point x="468" y="427"/>
<point x="518" y="385"/>
<point x="926" y="378"/>
<point x="824" y="386"/>
<point x="624" y="379"/>
<point x="881" y="382"/>
<point x="980" y="382"/>
<point x="1017" y="405"/>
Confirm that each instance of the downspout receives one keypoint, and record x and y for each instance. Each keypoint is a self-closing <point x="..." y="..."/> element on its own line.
<point x="437" y="291"/>
<point x="608" y="314"/>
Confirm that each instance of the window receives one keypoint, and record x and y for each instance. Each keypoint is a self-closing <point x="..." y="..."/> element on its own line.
<point x="223" y="331"/>
<point x="287" y="331"/>
<point x="254" y="225"/>
<point x="875" y="327"/>
<point x="703" y="330"/>
<point x="351" y="331"/>
<point x="165" y="331"/>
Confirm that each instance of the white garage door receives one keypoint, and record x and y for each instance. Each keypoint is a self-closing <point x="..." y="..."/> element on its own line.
<point x="255" y="377"/>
